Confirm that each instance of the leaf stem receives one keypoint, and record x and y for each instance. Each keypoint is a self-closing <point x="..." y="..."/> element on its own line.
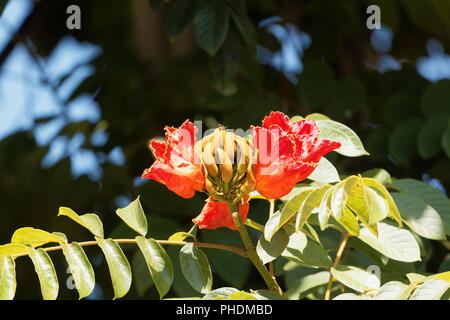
<point x="271" y="210"/>
<point x="340" y="250"/>
<point x="251" y="252"/>
<point x="238" y="251"/>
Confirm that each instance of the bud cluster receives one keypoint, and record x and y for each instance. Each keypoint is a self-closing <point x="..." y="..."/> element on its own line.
<point x="229" y="164"/>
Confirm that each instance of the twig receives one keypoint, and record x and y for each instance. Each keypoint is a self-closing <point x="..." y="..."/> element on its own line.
<point x="341" y="248"/>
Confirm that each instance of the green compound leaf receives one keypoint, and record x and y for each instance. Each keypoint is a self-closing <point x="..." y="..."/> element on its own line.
<point x="89" y="220"/>
<point x="195" y="267"/>
<point x="133" y="215"/>
<point x="45" y="270"/>
<point x="159" y="264"/>
<point x="34" y="237"/>
<point x="119" y="267"/>
<point x="7" y="278"/>
<point x="80" y="267"/>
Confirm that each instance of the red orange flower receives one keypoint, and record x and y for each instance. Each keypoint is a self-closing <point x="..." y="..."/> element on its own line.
<point x="175" y="166"/>
<point x="217" y="214"/>
<point x="287" y="153"/>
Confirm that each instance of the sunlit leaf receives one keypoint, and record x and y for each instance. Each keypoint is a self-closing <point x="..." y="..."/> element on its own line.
<point x="351" y="145"/>
<point x="7" y="278"/>
<point x="393" y="210"/>
<point x="45" y="270"/>
<point x="355" y="278"/>
<point x="11" y="249"/>
<point x="195" y="267"/>
<point x="311" y="202"/>
<point x="429" y="195"/>
<point x="325" y="172"/>
<point x="221" y="292"/>
<point x="269" y="251"/>
<point x="430" y="290"/>
<point x="133" y="215"/>
<point x="158" y="263"/>
<point x="420" y="217"/>
<point x="394" y="290"/>
<point x="279" y="218"/>
<point x="307" y="283"/>
<point x="80" y="267"/>
<point x="395" y="243"/>
<point x="241" y="295"/>
<point x="119" y="267"/>
<point x="340" y="194"/>
<point x="35" y="237"/>
<point x="180" y="236"/>
<point x="89" y="220"/>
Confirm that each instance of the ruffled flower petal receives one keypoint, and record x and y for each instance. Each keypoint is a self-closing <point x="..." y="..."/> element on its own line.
<point x="217" y="215"/>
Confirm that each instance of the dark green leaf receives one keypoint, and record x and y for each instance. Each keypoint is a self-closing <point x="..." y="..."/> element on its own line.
<point x="158" y="263"/>
<point x="179" y="14"/>
<point x="195" y="267"/>
<point x="211" y="23"/>
<point x="429" y="137"/>
<point x="269" y="251"/>
<point x="119" y="267"/>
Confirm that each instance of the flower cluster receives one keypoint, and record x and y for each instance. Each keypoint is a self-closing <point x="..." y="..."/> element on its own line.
<point x="228" y="167"/>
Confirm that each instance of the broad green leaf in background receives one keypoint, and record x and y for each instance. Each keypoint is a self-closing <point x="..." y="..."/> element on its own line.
<point x="393" y="210"/>
<point x="45" y="270"/>
<point x="324" y="172"/>
<point x="89" y="220"/>
<point x="269" y="251"/>
<point x="435" y="97"/>
<point x="312" y="255"/>
<point x="395" y="243"/>
<point x="429" y="137"/>
<point x="430" y="290"/>
<point x="221" y="292"/>
<point x="429" y="195"/>
<point x="80" y="267"/>
<point x="158" y="263"/>
<point x="264" y="294"/>
<point x="7" y="278"/>
<point x="351" y="145"/>
<point x="179" y="15"/>
<point x="402" y="143"/>
<point x="35" y="237"/>
<point x="211" y="23"/>
<point x="195" y="267"/>
<point x="307" y="283"/>
<point x="246" y="28"/>
<point x="394" y="290"/>
<point x="279" y="218"/>
<point x="11" y="249"/>
<point x="119" y="267"/>
<point x="420" y="217"/>
<point x="227" y="60"/>
<point x="445" y="140"/>
<point x="133" y="215"/>
<point x="311" y="202"/>
<point x="355" y="278"/>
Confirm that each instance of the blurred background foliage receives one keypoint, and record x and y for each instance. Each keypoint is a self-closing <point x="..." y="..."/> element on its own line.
<point x="79" y="107"/>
